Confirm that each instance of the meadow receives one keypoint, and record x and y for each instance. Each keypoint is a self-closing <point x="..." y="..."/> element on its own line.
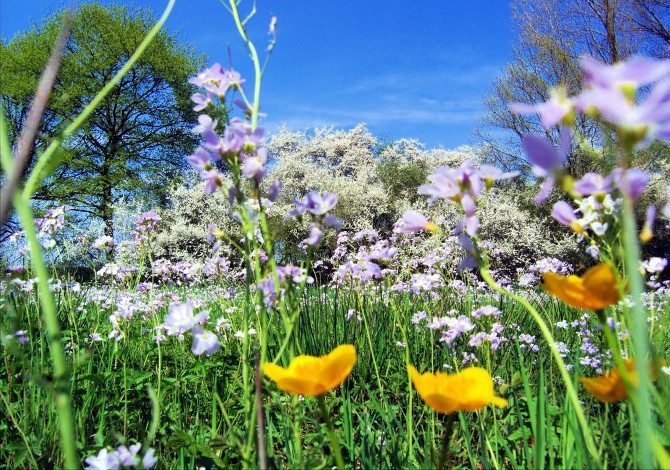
<point x="413" y="347"/>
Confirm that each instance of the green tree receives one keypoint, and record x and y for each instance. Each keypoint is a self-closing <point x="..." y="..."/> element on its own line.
<point x="135" y="142"/>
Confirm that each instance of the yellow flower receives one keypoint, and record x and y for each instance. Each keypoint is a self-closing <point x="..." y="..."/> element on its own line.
<point x="310" y="375"/>
<point x="594" y="290"/>
<point x="610" y="386"/>
<point x="469" y="390"/>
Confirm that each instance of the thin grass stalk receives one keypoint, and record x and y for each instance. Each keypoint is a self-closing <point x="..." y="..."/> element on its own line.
<point x="570" y="389"/>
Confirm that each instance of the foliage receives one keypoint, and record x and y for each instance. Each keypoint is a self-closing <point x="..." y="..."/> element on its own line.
<point x="134" y="143"/>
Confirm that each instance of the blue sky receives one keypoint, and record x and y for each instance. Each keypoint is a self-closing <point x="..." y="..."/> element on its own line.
<point x="407" y="69"/>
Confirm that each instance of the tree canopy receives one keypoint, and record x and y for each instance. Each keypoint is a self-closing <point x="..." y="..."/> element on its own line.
<point x="135" y="142"/>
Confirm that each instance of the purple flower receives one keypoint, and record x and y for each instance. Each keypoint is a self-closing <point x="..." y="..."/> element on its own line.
<point x="204" y="342"/>
<point x="412" y="222"/>
<point x="127" y="456"/>
<point x="213" y="180"/>
<point x="654" y="265"/>
<point x="634" y="72"/>
<point x="253" y="165"/>
<point x="315" y="235"/>
<point x="105" y="460"/>
<point x="215" y="80"/>
<point x="486" y="311"/>
<point x="205" y="123"/>
<point x="454" y="184"/>
<point x="331" y="221"/>
<point x="593" y="183"/>
<point x="490" y="174"/>
<point x="318" y="204"/>
<point x="648" y="228"/>
<point x="563" y="212"/>
<point x="551" y="112"/>
<point x="547" y="161"/>
<point x="180" y="319"/>
<point x="275" y="189"/>
<point x="202" y="100"/>
<point x="632" y="182"/>
<point x="200" y="158"/>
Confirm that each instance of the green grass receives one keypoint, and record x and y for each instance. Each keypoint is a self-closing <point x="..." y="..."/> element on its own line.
<point x="200" y="407"/>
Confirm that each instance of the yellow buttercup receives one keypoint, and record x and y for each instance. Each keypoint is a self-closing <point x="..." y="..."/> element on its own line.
<point x="469" y="390"/>
<point x="311" y="376"/>
<point x="610" y="386"/>
<point x="594" y="290"/>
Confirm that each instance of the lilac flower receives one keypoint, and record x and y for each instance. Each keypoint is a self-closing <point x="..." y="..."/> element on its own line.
<point x="412" y="222"/>
<point x="180" y="319"/>
<point x="654" y="264"/>
<point x="593" y="251"/>
<point x="551" y="112"/>
<point x="105" y="460"/>
<point x="215" y="80"/>
<point x="204" y="342"/>
<point x="486" y="311"/>
<point x="634" y="72"/>
<point x="213" y="180"/>
<point x="563" y="212"/>
<point x="593" y="183"/>
<point x="632" y="182"/>
<point x="547" y="161"/>
<point x="315" y="235"/>
<point x="490" y="174"/>
<point x="148" y="221"/>
<point x="318" y="204"/>
<point x="200" y="158"/>
<point x="21" y="336"/>
<point x="202" y="100"/>
<point x="148" y="461"/>
<point x="331" y="221"/>
<point x="448" y="183"/>
<point x="127" y="456"/>
<point x="275" y="189"/>
<point x="95" y="337"/>
<point x="418" y="317"/>
<point x="253" y="166"/>
<point x="648" y="228"/>
<point x="103" y="242"/>
<point x="205" y="124"/>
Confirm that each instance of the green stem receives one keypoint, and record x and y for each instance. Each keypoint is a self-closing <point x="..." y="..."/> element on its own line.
<point x="640" y="336"/>
<point x="331" y="433"/>
<point x="446" y="438"/>
<point x="62" y="396"/>
<point x="254" y="59"/>
<point x="570" y="389"/>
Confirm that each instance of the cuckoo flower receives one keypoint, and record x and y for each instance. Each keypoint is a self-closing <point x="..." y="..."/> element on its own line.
<point x="632" y="73"/>
<point x="313" y="376"/>
<point x="546" y="159"/>
<point x="564" y="213"/>
<point x="558" y="109"/>
<point x="412" y="222"/>
<point x="471" y="389"/>
<point x="200" y="158"/>
<point x="205" y="123"/>
<point x="594" y="290"/>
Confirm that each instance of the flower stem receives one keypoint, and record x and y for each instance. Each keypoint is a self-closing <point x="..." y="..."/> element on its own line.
<point x="331" y="432"/>
<point x="62" y="396"/>
<point x="639" y="334"/>
<point x="570" y="389"/>
<point x="446" y="438"/>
